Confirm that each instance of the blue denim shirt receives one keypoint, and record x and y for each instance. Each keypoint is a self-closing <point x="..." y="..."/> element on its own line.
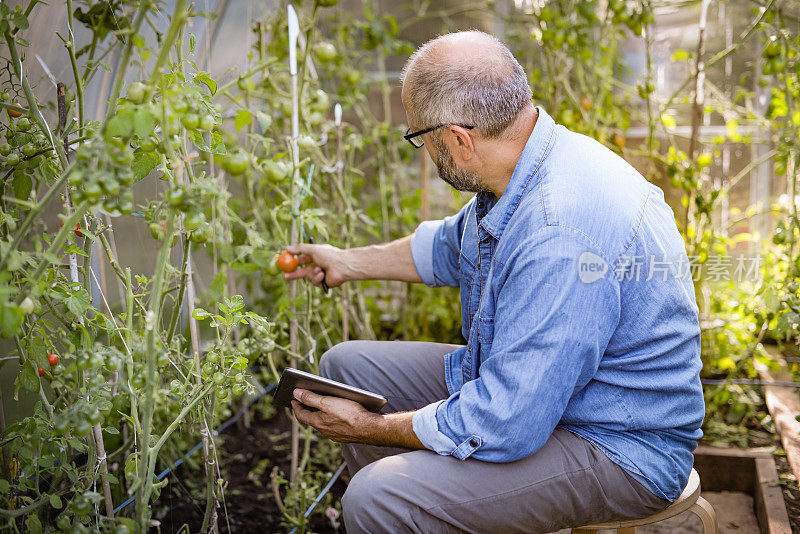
<point x="578" y="311"/>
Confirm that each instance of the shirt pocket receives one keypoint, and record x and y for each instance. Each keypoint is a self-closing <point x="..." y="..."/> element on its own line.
<point x="485" y="336"/>
<point x="467" y="275"/>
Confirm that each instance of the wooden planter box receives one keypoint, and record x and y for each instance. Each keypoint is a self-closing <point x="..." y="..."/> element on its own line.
<point x="748" y="471"/>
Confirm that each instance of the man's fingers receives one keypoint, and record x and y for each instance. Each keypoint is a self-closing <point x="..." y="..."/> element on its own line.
<point x="300" y="248"/>
<point x="308" y="398"/>
<point x="301" y="413"/>
<point x="305" y="272"/>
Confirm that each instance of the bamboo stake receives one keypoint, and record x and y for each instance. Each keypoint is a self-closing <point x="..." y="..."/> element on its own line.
<point x="337" y="118"/>
<point x="294" y="32"/>
<point x="699" y="96"/>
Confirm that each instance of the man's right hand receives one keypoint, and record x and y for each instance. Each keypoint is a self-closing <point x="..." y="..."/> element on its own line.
<point x="314" y="258"/>
<point x="389" y="261"/>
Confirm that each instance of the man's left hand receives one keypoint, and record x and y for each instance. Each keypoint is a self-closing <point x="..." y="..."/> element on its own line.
<point x="337" y="419"/>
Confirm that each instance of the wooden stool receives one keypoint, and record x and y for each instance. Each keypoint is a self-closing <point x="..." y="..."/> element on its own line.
<point x="690" y="500"/>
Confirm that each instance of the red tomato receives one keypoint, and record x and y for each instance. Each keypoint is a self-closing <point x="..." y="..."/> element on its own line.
<point x="52" y="359"/>
<point x="77" y="228"/>
<point x="287" y="262"/>
<point x="41" y="371"/>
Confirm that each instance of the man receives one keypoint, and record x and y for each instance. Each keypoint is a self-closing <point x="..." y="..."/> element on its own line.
<point x="577" y="397"/>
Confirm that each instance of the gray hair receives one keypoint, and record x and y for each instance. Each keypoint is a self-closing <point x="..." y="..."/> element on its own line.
<point x="480" y="84"/>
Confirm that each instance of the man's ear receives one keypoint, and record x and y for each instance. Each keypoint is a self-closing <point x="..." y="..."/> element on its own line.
<point x="462" y="142"/>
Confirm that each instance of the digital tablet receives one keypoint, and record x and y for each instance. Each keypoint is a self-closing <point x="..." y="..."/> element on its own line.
<point x="293" y="379"/>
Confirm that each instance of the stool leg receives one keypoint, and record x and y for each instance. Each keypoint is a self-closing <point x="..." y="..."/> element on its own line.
<point x="703" y="509"/>
<point x="628" y="530"/>
<point x="583" y="531"/>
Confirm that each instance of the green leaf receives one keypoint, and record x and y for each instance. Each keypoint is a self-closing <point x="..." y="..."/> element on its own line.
<point x="34" y="524"/>
<point x="22" y="186"/>
<point x="206" y="79"/>
<point x="55" y="502"/>
<point x="121" y="124"/>
<point x="28" y="377"/>
<point x="78" y="302"/>
<point x="10" y="318"/>
<point x="200" y="314"/>
<point x="138" y="41"/>
<point x="143" y="122"/>
<point x="243" y="118"/>
<point x="102" y="404"/>
<point x="111" y="430"/>
<point x="143" y="164"/>
<point x="36" y="350"/>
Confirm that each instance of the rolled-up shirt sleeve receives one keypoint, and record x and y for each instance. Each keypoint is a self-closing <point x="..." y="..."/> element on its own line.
<point x="547" y="336"/>
<point x="435" y="248"/>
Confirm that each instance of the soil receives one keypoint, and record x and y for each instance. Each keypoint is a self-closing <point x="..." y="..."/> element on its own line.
<point x="247" y="457"/>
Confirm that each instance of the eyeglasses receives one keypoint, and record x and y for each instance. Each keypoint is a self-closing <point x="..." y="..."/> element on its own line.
<point x="417" y="142"/>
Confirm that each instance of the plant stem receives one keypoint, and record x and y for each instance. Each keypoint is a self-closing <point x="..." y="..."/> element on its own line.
<point x="152" y="321"/>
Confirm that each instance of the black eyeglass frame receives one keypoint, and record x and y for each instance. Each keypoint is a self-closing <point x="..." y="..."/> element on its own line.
<point x="411" y="135"/>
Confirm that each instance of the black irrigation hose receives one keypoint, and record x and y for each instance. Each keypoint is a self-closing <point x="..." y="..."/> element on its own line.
<point x="197" y="447"/>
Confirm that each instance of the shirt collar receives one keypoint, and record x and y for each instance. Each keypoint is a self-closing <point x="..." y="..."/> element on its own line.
<point x="527" y="166"/>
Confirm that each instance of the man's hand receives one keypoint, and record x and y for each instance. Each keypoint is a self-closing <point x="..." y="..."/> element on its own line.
<point x="316" y="258"/>
<point x="337" y="419"/>
<point x="346" y="421"/>
<point x="390" y="261"/>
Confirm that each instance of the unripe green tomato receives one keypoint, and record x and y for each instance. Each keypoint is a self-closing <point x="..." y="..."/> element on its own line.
<point x="94" y="417"/>
<point x="137" y="381"/>
<point x="779" y="167"/>
<point x="325" y="51"/>
<point x="148" y="144"/>
<point x="212" y="357"/>
<point x="122" y="156"/>
<point x="208" y="369"/>
<point x="125" y="177"/>
<point x="162" y="359"/>
<point x="61" y="426"/>
<point x="202" y="234"/>
<point x="13" y="159"/>
<point x="96" y="360"/>
<point x="5" y="96"/>
<point x="222" y="393"/>
<point x="5" y="149"/>
<point x="125" y="207"/>
<point x="193" y="220"/>
<point x="24" y="124"/>
<point x="236" y="163"/>
<point x="63" y="522"/>
<point x="219" y="378"/>
<point x="206" y="122"/>
<point x="773" y="47"/>
<point x="110" y="186"/>
<point x="306" y="142"/>
<point x="180" y="105"/>
<point x="82" y="428"/>
<point x="113" y="363"/>
<point x="176" y="197"/>
<point x="190" y="121"/>
<point x="26" y="306"/>
<point x="93" y="190"/>
<point x="237" y="389"/>
<point x="120" y="529"/>
<point x="156" y="231"/>
<point x="136" y="92"/>
<point x="352" y="76"/>
<point x="320" y="101"/>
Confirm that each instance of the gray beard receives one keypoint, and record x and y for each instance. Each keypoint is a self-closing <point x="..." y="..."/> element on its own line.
<point x="459" y="179"/>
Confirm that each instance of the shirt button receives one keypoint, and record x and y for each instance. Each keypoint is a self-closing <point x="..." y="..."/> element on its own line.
<point x="473" y="443"/>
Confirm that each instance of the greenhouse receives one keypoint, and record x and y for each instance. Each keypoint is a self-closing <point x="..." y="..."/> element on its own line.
<point x="332" y="266"/>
